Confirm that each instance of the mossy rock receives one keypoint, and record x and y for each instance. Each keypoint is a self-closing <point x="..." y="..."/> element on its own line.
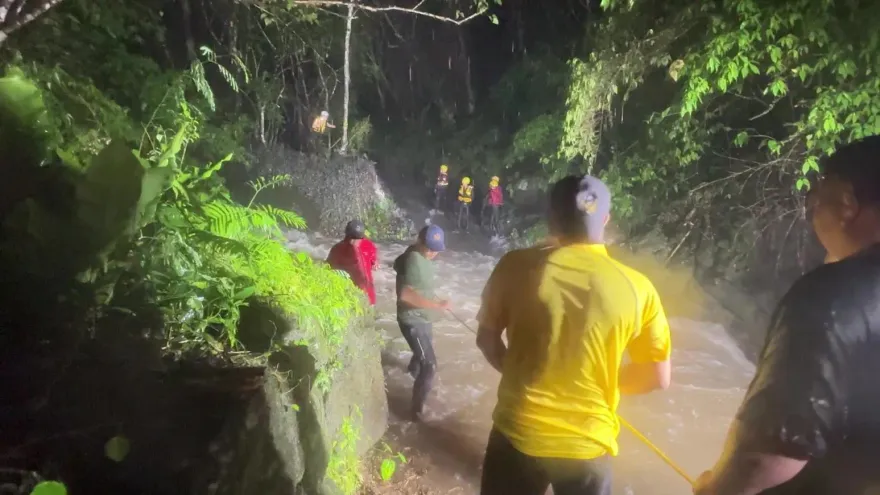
<point x="282" y="441"/>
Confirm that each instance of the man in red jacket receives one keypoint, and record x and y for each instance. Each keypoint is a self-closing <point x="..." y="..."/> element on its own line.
<point x="356" y="256"/>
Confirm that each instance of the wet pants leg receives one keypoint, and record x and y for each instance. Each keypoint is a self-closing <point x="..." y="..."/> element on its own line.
<point x="424" y="363"/>
<point x="507" y="471"/>
<point x="495" y="220"/>
<point x="464" y="213"/>
<point x="439" y="194"/>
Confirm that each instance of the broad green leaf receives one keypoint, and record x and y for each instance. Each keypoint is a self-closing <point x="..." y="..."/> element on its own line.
<point x="155" y="182"/>
<point x="387" y="469"/>
<point x="49" y="488"/>
<point x="244" y="293"/>
<point x="108" y="195"/>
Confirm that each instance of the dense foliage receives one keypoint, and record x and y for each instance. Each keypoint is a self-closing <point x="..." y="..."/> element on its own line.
<point x="156" y="223"/>
<point x="706" y="119"/>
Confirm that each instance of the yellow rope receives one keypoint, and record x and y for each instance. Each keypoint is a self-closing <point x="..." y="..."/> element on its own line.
<point x="657" y="451"/>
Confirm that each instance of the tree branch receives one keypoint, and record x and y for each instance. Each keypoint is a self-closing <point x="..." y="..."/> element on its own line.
<point x="16" y="13"/>
<point x="408" y="10"/>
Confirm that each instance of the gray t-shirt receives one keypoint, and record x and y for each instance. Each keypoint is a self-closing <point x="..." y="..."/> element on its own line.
<point x="417" y="272"/>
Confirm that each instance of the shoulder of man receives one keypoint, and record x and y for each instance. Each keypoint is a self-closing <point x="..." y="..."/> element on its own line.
<point x="519" y="259"/>
<point x="639" y="280"/>
<point x="832" y="287"/>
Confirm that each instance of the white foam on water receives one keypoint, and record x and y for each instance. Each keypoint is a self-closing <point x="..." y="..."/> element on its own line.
<point x="688" y="421"/>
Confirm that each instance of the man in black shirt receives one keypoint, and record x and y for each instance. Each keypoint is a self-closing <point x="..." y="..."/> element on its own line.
<point x="810" y="421"/>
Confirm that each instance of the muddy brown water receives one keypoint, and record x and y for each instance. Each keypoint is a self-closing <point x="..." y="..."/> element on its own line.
<point x="687" y="422"/>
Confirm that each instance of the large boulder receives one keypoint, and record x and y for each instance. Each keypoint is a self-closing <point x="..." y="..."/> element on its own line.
<point x="287" y="435"/>
<point x="330" y="191"/>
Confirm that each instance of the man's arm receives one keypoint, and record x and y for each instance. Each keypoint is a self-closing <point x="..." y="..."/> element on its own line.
<point x="414" y="277"/>
<point x="791" y="411"/>
<point x="649" y="351"/>
<point x="493" y="318"/>
<point x="742" y="471"/>
<point x="412" y="297"/>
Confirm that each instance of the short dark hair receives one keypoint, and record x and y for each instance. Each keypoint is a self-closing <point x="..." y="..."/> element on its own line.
<point x="857" y="163"/>
<point x="355" y="229"/>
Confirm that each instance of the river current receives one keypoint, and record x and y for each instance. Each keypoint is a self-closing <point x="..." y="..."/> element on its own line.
<point x="687" y="422"/>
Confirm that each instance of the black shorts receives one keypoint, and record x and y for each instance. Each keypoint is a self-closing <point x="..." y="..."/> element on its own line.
<point x="507" y="471"/>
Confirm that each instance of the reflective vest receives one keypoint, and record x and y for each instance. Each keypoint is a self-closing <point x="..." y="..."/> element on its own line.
<point x="443" y="180"/>
<point x="319" y="125"/>
<point x="466" y="193"/>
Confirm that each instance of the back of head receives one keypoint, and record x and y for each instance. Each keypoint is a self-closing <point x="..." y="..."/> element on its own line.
<point x="355" y="229"/>
<point x="857" y="164"/>
<point x="579" y="209"/>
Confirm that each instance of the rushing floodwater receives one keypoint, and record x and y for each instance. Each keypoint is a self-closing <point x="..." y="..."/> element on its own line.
<point x="688" y="421"/>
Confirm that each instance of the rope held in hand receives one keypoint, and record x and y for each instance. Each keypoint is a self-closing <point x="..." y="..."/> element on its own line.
<point x="656" y="450"/>
<point x="625" y="424"/>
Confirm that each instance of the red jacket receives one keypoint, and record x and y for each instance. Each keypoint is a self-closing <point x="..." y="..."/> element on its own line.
<point x="358" y="258"/>
<point x="495" y="196"/>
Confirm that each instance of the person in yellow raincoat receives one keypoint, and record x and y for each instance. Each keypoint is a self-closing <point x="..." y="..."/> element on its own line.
<point x="319" y="125"/>
<point x="441" y="186"/>
<point x="465" y="198"/>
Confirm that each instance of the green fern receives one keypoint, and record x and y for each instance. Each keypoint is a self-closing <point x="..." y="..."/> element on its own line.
<point x="227" y="75"/>
<point x="197" y="72"/>
<point x="284" y="217"/>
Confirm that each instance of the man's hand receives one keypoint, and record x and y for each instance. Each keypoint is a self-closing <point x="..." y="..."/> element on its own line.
<point x="443" y="304"/>
<point x="703" y="484"/>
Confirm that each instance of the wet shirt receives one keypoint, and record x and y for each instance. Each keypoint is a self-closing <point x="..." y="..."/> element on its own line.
<point x="816" y="392"/>
<point x="570" y="314"/>
<point x="415" y="271"/>
<point x="358" y="259"/>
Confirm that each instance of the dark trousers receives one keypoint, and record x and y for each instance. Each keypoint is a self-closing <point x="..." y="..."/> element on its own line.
<point x="507" y="471"/>
<point x="439" y="196"/>
<point x="464" y="215"/>
<point x="495" y="217"/>
<point x="423" y="365"/>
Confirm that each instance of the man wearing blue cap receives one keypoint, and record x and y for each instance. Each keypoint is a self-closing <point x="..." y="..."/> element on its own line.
<point x="570" y="313"/>
<point x="415" y="295"/>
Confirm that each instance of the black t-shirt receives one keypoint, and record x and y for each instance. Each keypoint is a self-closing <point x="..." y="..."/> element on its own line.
<point x="816" y="392"/>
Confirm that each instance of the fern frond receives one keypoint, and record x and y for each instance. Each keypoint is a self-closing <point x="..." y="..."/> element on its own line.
<point x="243" y="67"/>
<point x="230" y="79"/>
<point x="262" y="221"/>
<point x="284" y="217"/>
<point x="197" y="72"/>
<point x="210" y="241"/>
<point x="226" y="219"/>
<point x="208" y="53"/>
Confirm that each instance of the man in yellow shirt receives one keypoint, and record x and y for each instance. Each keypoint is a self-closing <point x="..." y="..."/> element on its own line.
<point x="570" y="313"/>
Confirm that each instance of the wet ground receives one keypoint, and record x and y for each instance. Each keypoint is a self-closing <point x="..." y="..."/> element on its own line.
<point x="445" y="452"/>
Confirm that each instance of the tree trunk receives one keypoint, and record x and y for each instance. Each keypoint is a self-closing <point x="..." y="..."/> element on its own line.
<point x="471" y="98"/>
<point x="16" y="13"/>
<point x="347" y="74"/>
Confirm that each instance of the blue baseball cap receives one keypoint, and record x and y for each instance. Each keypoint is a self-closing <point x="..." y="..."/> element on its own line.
<point x="433" y="238"/>
<point x="581" y="204"/>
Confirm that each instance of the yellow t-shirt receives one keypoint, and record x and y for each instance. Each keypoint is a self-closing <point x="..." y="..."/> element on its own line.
<point x="570" y="314"/>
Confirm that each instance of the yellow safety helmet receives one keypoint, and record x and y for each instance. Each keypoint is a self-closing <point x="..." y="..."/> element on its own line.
<point x="443" y="168"/>
<point x="494" y="180"/>
<point x="466" y="180"/>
